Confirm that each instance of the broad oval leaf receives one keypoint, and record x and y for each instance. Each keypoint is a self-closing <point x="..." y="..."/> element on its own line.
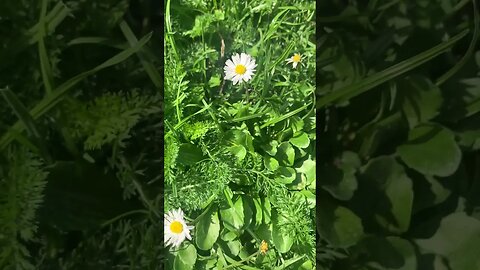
<point x="431" y="150"/>
<point x="393" y="201"/>
<point x="239" y="151"/>
<point x="301" y="140"/>
<point x="285" y="175"/>
<point x="185" y="258"/>
<point x="338" y="225"/>
<point x="282" y="240"/>
<point x="457" y="239"/>
<point x="285" y="154"/>
<point x="233" y="217"/>
<point x="207" y="229"/>
<point x="271" y="163"/>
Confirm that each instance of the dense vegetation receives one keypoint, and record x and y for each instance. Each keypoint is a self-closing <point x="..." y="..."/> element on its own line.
<point x="85" y="175"/>
<point x="240" y="159"/>
<point x="80" y="135"/>
<point x="398" y="154"/>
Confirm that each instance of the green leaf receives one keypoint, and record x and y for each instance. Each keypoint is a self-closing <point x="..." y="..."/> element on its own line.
<point x="239" y="151"/>
<point x="308" y="169"/>
<point x="406" y="250"/>
<point x="285" y="175"/>
<point x="457" y="239"/>
<point x="234" y="247"/>
<point x="185" y="258"/>
<point x="271" y="163"/>
<point x="233" y="216"/>
<point x="214" y="81"/>
<point x="432" y="190"/>
<point x="228" y="235"/>
<point x="340" y="181"/>
<point x="282" y="240"/>
<point x="271" y="148"/>
<point x="189" y="154"/>
<point x="239" y="137"/>
<point x="301" y="140"/>
<point x="285" y="154"/>
<point x="339" y="225"/>
<point x="393" y="183"/>
<point x="267" y="210"/>
<point x="431" y="150"/>
<point x="258" y="211"/>
<point x="207" y="229"/>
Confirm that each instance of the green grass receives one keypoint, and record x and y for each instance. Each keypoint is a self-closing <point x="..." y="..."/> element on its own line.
<point x="240" y="159"/>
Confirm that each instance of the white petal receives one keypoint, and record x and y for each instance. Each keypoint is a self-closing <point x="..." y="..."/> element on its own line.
<point x="230" y="64"/>
<point x="181" y="238"/>
<point x="169" y="242"/>
<point x="229" y="75"/>
<point x="295" y="64"/>
<point x="243" y="59"/>
<point x="236" y="59"/>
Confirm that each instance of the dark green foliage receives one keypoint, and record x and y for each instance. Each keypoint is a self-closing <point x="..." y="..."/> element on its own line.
<point x="88" y="193"/>
<point x="399" y="154"/>
<point x="22" y="184"/>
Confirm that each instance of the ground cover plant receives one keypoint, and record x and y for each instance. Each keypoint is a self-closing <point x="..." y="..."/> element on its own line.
<point x="240" y="134"/>
<point x="80" y="135"/>
<point x="398" y="103"/>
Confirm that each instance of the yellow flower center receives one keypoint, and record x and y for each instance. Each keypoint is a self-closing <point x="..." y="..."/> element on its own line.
<point x="296" y="58"/>
<point x="240" y="69"/>
<point x="263" y="247"/>
<point x="176" y="227"/>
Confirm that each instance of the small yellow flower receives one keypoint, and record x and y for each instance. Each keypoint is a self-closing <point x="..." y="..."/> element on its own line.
<point x="295" y="59"/>
<point x="263" y="247"/>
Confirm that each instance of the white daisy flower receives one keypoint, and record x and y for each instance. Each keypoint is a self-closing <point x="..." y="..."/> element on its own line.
<point x="239" y="68"/>
<point x="295" y="59"/>
<point x="175" y="228"/>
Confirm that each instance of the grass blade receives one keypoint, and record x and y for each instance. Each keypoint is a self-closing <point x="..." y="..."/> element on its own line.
<point x="285" y="116"/>
<point x="470" y="51"/>
<point x="390" y="73"/>
<point x="27" y="120"/>
<point x="45" y="67"/>
<point x="147" y="65"/>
